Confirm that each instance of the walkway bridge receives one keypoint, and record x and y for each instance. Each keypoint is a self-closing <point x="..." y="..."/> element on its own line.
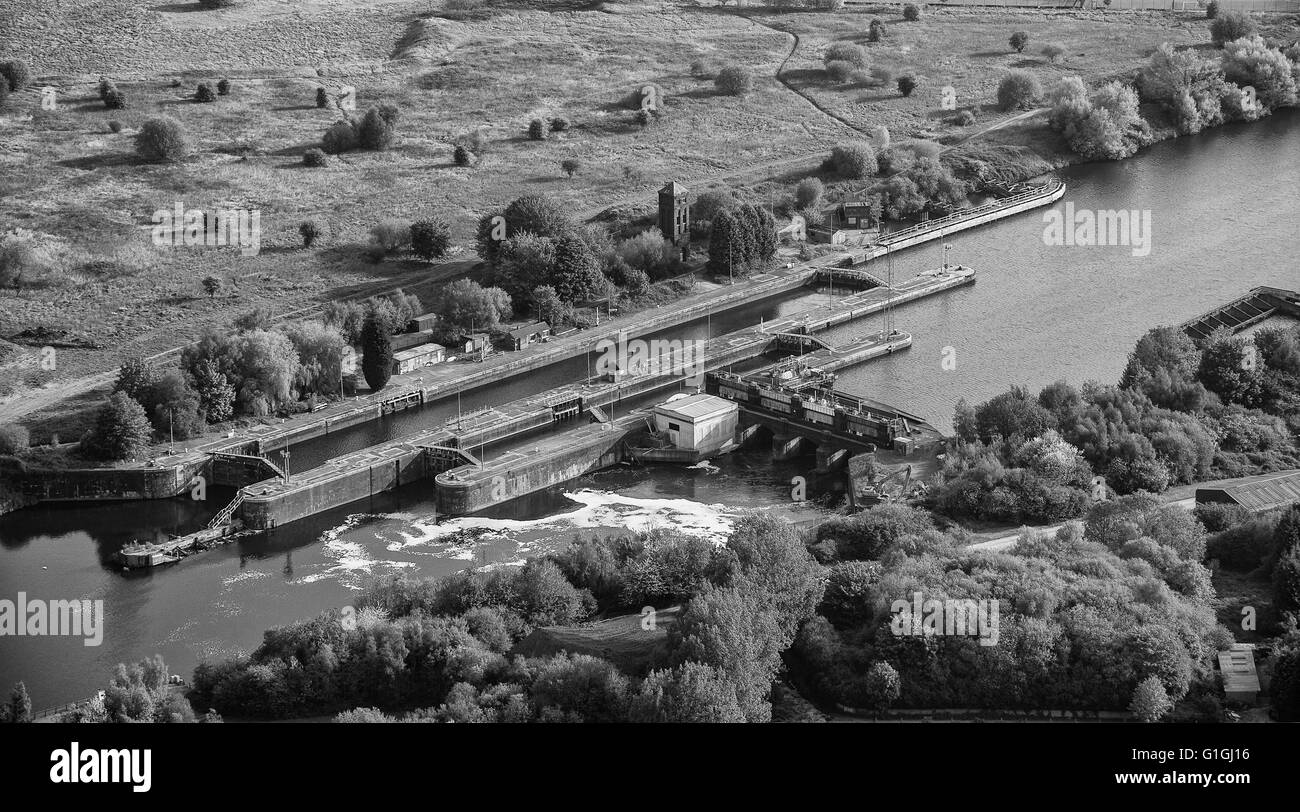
<point x="1237" y="315"/>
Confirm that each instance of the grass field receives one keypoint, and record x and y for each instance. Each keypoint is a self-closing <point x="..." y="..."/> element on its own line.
<point x="65" y="173"/>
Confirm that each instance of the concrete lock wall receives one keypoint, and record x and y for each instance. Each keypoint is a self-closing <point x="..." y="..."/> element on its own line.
<point x="108" y="484"/>
<point x="343" y="488"/>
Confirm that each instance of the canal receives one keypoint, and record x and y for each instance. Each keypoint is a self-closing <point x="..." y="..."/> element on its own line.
<point x="1224" y="210"/>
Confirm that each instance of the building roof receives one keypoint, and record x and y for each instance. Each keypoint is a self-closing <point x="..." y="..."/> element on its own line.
<point x="1238" y="669"/>
<point x="696" y="407"/>
<point x="673" y="188"/>
<point x="416" y="352"/>
<point x="1257" y="493"/>
<point x="530" y="329"/>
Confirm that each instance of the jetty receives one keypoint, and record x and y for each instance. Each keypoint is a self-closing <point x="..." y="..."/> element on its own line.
<point x="1257" y="305"/>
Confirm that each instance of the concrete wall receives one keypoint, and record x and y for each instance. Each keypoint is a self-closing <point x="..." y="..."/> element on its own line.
<point x="108" y="484"/>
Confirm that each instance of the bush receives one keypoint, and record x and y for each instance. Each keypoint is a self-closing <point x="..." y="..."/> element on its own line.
<point x="875" y="31"/>
<point x="14" y="439"/>
<point x="855" y="161"/>
<point x="964" y="118"/>
<point x="16" y="73"/>
<point x="340" y="137"/>
<point x="310" y="231"/>
<point x="1053" y="51"/>
<point x="162" y="139"/>
<point x="377" y="126"/>
<point x="845" y="52"/>
<point x="1212" y="9"/>
<point x="911" y="12"/>
<point x="322" y="98"/>
<point x="559" y="124"/>
<point x="106" y="86"/>
<point x="808" y="193"/>
<point x="461" y="156"/>
<point x="115" y="100"/>
<point x="570" y="166"/>
<point x="1018" y="41"/>
<point x="391" y="235"/>
<point x="734" y="80"/>
<point x="204" y="93"/>
<point x="1231" y="25"/>
<point x="1218" y="516"/>
<point x="906" y="84"/>
<point x="114" y="126"/>
<point x="839" y="71"/>
<point x="536" y="129"/>
<point x="430" y="239"/>
<point x="315" y="157"/>
<point x="4" y="92"/>
<point x="882" y="76"/>
<point x="702" y="69"/>
<point x="223" y="87"/>
<point x="1018" y="90"/>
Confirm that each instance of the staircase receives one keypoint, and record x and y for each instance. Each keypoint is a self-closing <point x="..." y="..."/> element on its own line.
<point x="227" y="512"/>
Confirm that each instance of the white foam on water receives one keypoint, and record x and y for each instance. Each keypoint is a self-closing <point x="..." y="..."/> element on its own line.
<point x="704" y="465"/>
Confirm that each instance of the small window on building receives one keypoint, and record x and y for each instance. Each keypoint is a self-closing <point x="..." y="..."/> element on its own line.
<point x="674" y="427"/>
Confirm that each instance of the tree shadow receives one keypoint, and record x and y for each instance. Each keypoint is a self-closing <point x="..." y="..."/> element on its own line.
<point x="978" y="54"/>
<point x="105" y="161"/>
<point x="177" y="8"/>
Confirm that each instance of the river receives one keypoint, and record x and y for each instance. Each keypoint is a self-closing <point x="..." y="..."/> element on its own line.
<point x="1224" y="211"/>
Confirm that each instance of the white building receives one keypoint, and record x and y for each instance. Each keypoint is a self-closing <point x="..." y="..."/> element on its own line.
<point x="416" y="357"/>
<point x="702" y="423"/>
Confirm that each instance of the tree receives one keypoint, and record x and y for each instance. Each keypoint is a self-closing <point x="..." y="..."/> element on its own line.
<point x="808" y="193"/>
<point x="1226" y="371"/>
<point x="14" y="438"/>
<point x="875" y="31"/>
<point x="223" y="87"/>
<point x="734" y="80"/>
<point x="537" y="129"/>
<point x="1231" y="25"/>
<point x="1212" y="9"/>
<point x="376" y="130"/>
<point x="461" y="156"/>
<point x="1286" y="581"/>
<point x="845" y="52"/>
<point x="320" y="350"/>
<point x="570" y="166"/>
<point x="869" y="534"/>
<point x="1018" y="41"/>
<point x="1018" y="90"/>
<point x="906" y="84"/>
<point x="1250" y="62"/>
<point x="212" y="286"/>
<point x="1053" y="51"/>
<point x="430" y="239"/>
<point x="911" y="12"/>
<point x="121" y="430"/>
<point x="883" y="685"/>
<point x="377" y="353"/>
<point x="1284" y="689"/>
<point x="466" y="306"/>
<point x="204" y="93"/>
<point x="1150" y="702"/>
<point x="576" y="275"/>
<point x="855" y="160"/>
<point x="162" y="138"/>
<point x="559" y="124"/>
<point x="726" y="245"/>
<point x="16" y="73"/>
<point x="691" y="692"/>
<point x="19" y="708"/>
<point x="216" y="395"/>
<point x="340" y="137"/>
<point x="322" y="98"/>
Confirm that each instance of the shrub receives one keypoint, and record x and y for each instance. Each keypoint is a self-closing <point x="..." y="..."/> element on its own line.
<point x="570" y="166"/>
<point x="310" y="231"/>
<point x="389" y="112"/>
<point x="340" y="137"/>
<point x="322" y="98"/>
<point x="430" y="239"/>
<point x="839" y="71"/>
<point x="808" y="193"/>
<point x="223" y="87"/>
<point x="106" y="86"/>
<point x="1053" y="51"/>
<point x="702" y="69"/>
<point x="14" y="439"/>
<point x="906" y="84"/>
<point x="4" y="92"/>
<point x="1218" y="516"/>
<point x="855" y="161"/>
<point x="162" y="139"/>
<point x="845" y="52"/>
<point x="114" y="126"/>
<point x="911" y="12"/>
<point x="642" y="117"/>
<point x="734" y="80"/>
<point x="391" y="235"/>
<point x="204" y="93"/>
<point x="964" y="118"/>
<point x="882" y="76"/>
<point x="462" y="156"/>
<point x="16" y="73"/>
<point x="1017" y="90"/>
<point x="1231" y="25"/>
<point x="559" y="124"/>
<point x="1212" y="9"/>
<point x="211" y="286"/>
<point x="1018" y="41"/>
<point x="115" y="100"/>
<point x="536" y="129"/>
<point x="376" y="130"/>
<point x="315" y="157"/>
<point x="875" y="31"/>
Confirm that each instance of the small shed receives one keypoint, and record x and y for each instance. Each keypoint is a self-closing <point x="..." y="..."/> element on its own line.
<point x="1237" y="670"/>
<point x="405" y="341"/>
<point x="1258" y="494"/>
<point x="701" y="422"/>
<point x="475" y="342"/>
<point x="521" y="337"/>
<point x="417" y="357"/>
<point x="423" y="322"/>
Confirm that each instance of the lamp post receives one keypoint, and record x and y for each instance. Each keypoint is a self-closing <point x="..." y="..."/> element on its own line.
<point x="284" y="454"/>
<point x="171" y="431"/>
